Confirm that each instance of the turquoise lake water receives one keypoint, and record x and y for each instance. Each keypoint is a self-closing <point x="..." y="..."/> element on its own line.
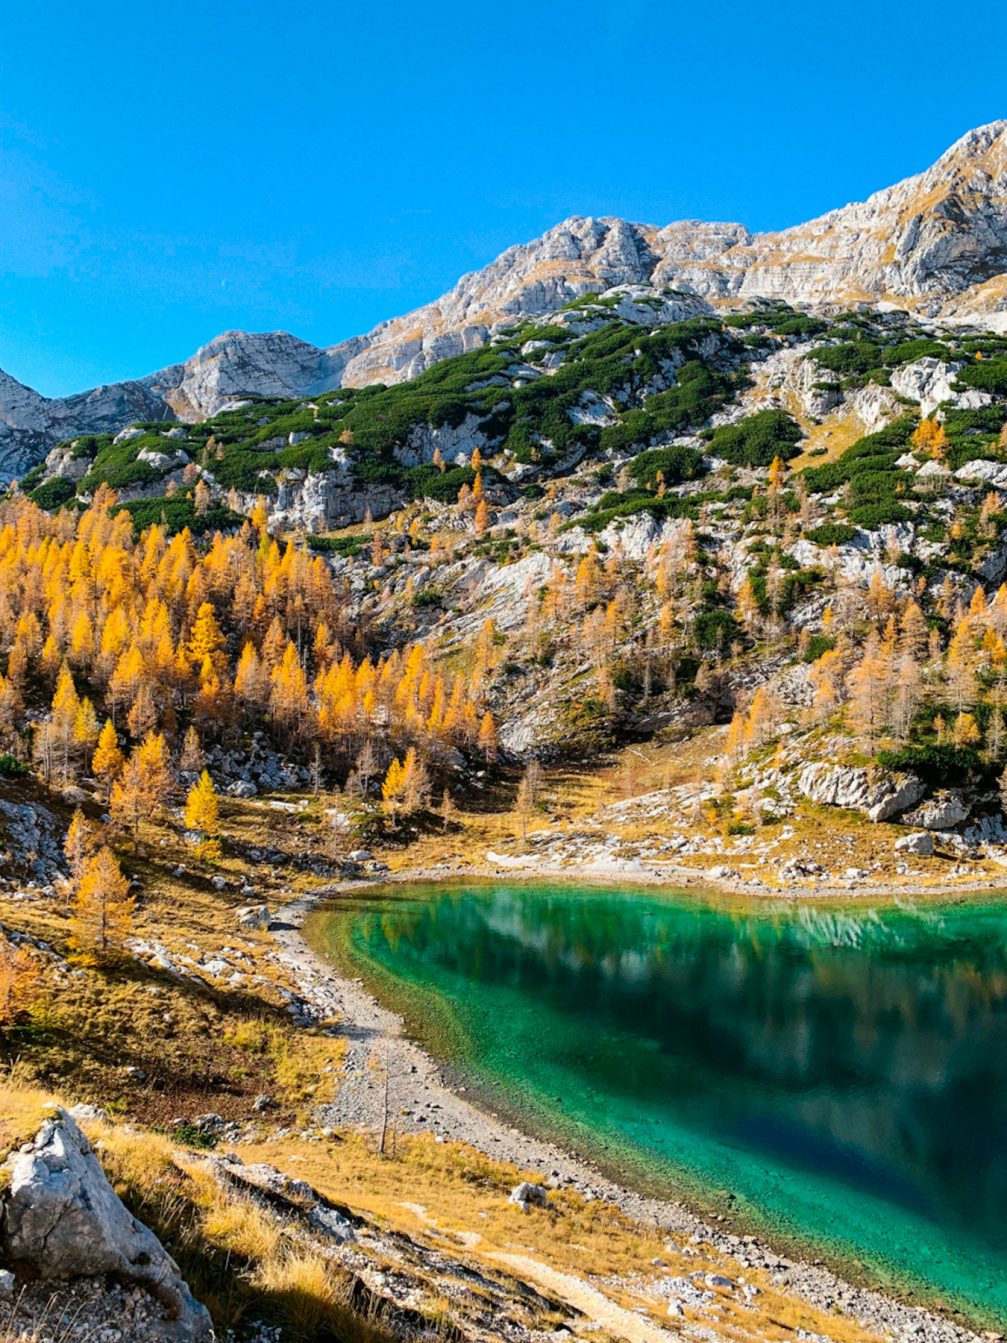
<point x="837" y="1077"/>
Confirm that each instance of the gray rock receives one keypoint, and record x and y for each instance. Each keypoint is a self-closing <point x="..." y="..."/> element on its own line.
<point x="6" y="1285"/>
<point x="893" y="795"/>
<point x="921" y="843"/>
<point x="853" y="789"/>
<point x="332" y="1224"/>
<point x="253" y="916"/>
<point x="62" y="1219"/>
<point x="527" y="1195"/>
<point x="943" y="811"/>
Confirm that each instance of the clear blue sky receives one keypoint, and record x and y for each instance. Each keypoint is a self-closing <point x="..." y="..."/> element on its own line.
<point x="169" y="172"/>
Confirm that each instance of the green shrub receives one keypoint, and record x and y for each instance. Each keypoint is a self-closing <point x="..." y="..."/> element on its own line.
<point x="818" y="645"/>
<point x="177" y="513"/>
<point x="340" y="545"/>
<point x="52" y="494"/>
<point x="832" y="534"/>
<point x="756" y="440"/>
<point x="851" y="359"/>
<point x="934" y="764"/>
<point x="716" y="629"/>
<point x="872" y="516"/>
<point x="673" y="464"/>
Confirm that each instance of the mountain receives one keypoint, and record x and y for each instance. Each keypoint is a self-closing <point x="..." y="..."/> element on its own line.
<point x="934" y="244"/>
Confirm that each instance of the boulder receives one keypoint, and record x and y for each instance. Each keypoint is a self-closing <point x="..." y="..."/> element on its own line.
<point x="62" y="1219"/>
<point x="943" y="811"/>
<point x="921" y="843"/>
<point x="892" y="795"/>
<point x="928" y="381"/>
<point x="124" y="435"/>
<point x="163" y="461"/>
<point x="253" y="916"/>
<point x="527" y="1195"/>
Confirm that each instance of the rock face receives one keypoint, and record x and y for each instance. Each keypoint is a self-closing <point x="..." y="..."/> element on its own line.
<point x="62" y="1219"/>
<point x="935" y="243"/>
<point x="852" y="789"/>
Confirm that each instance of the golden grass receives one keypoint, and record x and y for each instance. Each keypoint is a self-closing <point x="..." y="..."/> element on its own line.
<point x="448" y="1194"/>
<point x="236" y="1253"/>
<point x="23" y="1109"/>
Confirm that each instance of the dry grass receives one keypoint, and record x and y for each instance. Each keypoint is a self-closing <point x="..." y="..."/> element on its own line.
<point x="22" y="1111"/>
<point x="449" y="1195"/>
<point x="237" y="1255"/>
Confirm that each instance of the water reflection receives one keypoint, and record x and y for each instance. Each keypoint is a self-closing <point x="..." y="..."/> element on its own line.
<point x="865" y="1050"/>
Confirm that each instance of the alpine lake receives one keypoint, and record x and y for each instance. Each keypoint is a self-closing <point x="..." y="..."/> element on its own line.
<point x="831" y="1077"/>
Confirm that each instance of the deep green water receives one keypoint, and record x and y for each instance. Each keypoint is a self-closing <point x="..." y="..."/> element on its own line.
<point x="840" y="1073"/>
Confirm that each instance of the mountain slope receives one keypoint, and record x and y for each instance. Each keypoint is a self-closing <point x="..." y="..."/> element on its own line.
<point x="935" y="244"/>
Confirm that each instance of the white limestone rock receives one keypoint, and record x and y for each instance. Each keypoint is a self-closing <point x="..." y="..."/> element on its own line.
<point x="920" y="844"/>
<point x="62" y="1219"/>
<point x="854" y="790"/>
<point x="943" y="811"/>
<point x="927" y="381"/>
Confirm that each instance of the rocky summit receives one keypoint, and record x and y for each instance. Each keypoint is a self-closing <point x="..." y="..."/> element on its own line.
<point x="934" y="244"/>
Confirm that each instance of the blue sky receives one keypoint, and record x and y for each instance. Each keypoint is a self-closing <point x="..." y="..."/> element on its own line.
<point x="167" y="173"/>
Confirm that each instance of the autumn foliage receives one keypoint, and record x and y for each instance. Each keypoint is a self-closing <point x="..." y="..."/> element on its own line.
<point x="136" y="650"/>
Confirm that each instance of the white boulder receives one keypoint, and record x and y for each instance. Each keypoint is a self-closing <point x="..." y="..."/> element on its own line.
<point x="62" y="1219"/>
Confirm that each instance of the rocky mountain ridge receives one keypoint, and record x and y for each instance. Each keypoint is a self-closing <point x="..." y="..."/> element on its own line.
<point x="935" y="244"/>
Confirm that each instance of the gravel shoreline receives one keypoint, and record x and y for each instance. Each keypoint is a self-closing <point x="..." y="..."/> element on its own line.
<point x="421" y="1100"/>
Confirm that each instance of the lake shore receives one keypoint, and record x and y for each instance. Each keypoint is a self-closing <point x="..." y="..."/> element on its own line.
<point x="678" y="876"/>
<point x="421" y="1099"/>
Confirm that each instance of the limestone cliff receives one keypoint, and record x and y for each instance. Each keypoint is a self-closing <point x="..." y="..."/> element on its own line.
<point x="935" y="243"/>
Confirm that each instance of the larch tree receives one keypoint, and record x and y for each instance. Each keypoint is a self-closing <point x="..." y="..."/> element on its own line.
<point x="487" y="739"/>
<point x="103" y="908"/>
<point x="19" y="974"/>
<point x="526" y="799"/>
<point x="108" y="760"/>
<point x="202" y="814"/>
<point x="79" y="844"/>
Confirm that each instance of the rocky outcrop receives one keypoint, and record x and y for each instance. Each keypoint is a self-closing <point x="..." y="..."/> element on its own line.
<point x="879" y="799"/>
<point x="943" y="811"/>
<point x="61" y="1219"/>
<point x="32" y="842"/>
<point x="30" y="424"/>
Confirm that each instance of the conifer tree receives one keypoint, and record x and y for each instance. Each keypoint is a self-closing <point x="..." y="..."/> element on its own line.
<point x="202" y="813"/>
<point x="102" y="910"/>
